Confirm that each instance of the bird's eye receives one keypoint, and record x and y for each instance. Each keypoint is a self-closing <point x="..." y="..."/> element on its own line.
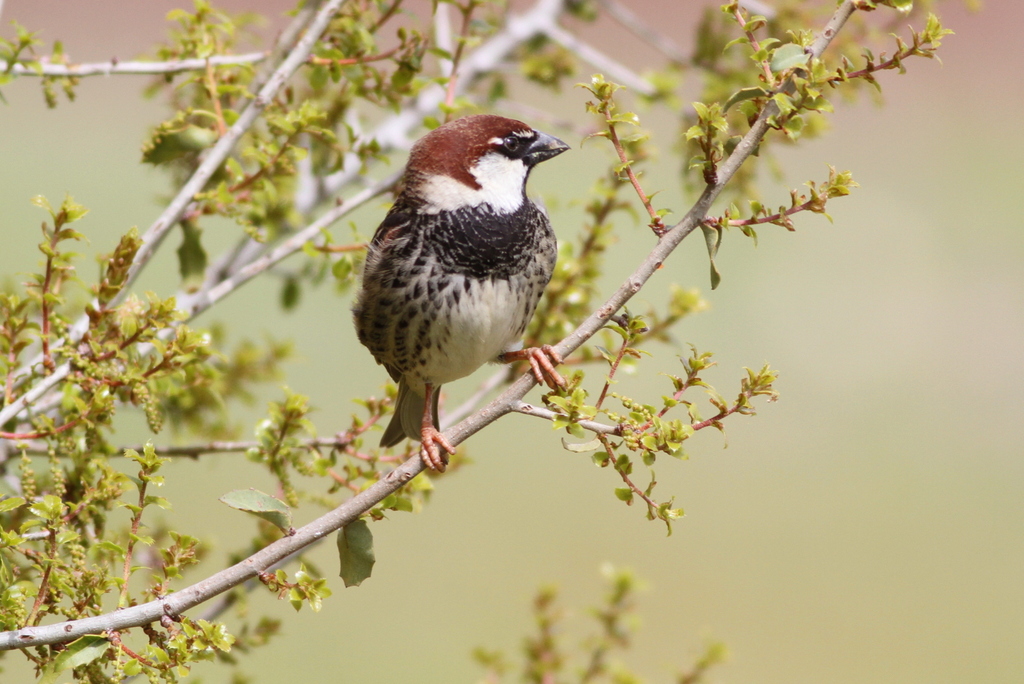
<point x="511" y="143"/>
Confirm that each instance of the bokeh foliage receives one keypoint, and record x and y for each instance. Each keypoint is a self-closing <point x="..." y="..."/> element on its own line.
<point x="64" y="556"/>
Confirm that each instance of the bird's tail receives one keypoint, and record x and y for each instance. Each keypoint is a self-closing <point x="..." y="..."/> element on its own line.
<point x="408" y="418"/>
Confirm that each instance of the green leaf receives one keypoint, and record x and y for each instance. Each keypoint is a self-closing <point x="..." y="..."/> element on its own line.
<point x="72" y="210"/>
<point x="79" y="652"/>
<point x="274" y="511"/>
<point x="290" y="293"/>
<point x="744" y="94"/>
<point x="788" y="56"/>
<point x="111" y="546"/>
<point x="42" y="203"/>
<point x="592" y="445"/>
<point x="713" y="238"/>
<point x="171" y="145"/>
<point x="191" y="257"/>
<point x="11" y="502"/>
<point x="355" y="550"/>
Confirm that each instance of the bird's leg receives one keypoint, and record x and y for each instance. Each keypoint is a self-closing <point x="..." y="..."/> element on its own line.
<point x="431" y="437"/>
<point x="542" y="360"/>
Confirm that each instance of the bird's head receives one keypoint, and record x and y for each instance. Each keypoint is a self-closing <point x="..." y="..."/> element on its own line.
<point x="475" y="160"/>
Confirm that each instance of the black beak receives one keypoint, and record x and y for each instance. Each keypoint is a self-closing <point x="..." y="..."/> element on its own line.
<point x="543" y="148"/>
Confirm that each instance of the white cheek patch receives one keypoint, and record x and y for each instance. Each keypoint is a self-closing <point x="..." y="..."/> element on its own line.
<point x="501" y="186"/>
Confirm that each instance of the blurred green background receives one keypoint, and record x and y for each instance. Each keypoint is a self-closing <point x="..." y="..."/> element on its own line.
<point x="867" y="527"/>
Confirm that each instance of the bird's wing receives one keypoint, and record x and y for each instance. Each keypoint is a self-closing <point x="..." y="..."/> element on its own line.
<point x="393" y="225"/>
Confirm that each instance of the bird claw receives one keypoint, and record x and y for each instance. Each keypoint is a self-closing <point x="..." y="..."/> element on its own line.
<point x="542" y="360"/>
<point x="432" y="457"/>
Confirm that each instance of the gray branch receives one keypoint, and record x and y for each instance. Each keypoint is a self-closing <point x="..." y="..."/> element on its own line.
<point x="549" y="415"/>
<point x="141" y="67"/>
<point x="640" y="29"/>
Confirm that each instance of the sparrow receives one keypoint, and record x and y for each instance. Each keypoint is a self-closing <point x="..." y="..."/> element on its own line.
<point x="454" y="272"/>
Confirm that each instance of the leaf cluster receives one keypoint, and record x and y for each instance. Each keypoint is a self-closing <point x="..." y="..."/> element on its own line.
<point x="547" y="659"/>
<point x="643" y="431"/>
<point x="80" y="534"/>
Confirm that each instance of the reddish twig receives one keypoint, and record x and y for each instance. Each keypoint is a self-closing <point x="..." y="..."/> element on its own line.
<point x="453" y="79"/>
<point x="611" y="373"/>
<point x="337" y="249"/>
<point x="115" y="639"/>
<point x="657" y="225"/>
<point x="44" y="582"/>
<point x="211" y="88"/>
<point x="651" y="503"/>
<point x="41" y="434"/>
<point x="249" y="180"/>
<point x="388" y="13"/>
<point x="44" y="312"/>
<point x="769" y="79"/>
<point x="327" y="61"/>
<point x="122" y="601"/>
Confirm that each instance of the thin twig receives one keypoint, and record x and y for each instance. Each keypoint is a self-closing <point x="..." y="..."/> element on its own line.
<point x="40" y="434"/>
<point x="211" y="88"/>
<point x="44" y="582"/>
<point x="149" y="68"/>
<point x="453" y="78"/>
<point x="652" y="505"/>
<point x="115" y="638"/>
<point x="138" y="68"/>
<point x="766" y="67"/>
<point x="611" y="373"/>
<point x="657" y="224"/>
<point x="44" y="302"/>
<point x="327" y="61"/>
<point x="126" y="573"/>
<point x="637" y="27"/>
<point x="501" y="377"/>
<point x="547" y="414"/>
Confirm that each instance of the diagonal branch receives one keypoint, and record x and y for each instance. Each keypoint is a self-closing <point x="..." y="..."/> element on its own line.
<point x="640" y="29"/>
<point x="510" y="400"/>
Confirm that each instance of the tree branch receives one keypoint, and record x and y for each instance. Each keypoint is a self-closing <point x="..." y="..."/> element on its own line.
<point x="180" y="601"/>
<point x="638" y="28"/>
<point x="138" y="68"/>
<point x="194" y="304"/>
<point x="546" y="414"/>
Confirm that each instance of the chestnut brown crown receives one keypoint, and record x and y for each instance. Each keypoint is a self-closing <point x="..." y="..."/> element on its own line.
<point x="488" y="157"/>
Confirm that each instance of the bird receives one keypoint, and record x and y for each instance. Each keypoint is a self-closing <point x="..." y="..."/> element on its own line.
<point x="455" y="270"/>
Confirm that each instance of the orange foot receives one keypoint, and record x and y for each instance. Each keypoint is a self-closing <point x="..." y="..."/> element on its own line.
<point x="542" y="362"/>
<point x="432" y="457"/>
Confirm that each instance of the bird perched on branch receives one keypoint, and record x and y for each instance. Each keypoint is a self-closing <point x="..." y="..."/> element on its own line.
<point x="455" y="271"/>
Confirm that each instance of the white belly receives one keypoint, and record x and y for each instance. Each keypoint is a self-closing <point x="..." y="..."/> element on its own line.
<point x="481" y="325"/>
